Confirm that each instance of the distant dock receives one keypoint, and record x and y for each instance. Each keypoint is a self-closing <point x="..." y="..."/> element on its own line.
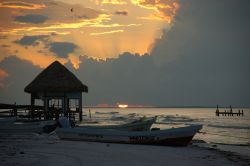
<point x="228" y="112"/>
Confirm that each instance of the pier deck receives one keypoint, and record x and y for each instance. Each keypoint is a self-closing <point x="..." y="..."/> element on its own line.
<point x="35" y="112"/>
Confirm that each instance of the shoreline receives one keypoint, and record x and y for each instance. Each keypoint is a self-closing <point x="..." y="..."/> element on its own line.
<point x="47" y="149"/>
<point x="230" y="154"/>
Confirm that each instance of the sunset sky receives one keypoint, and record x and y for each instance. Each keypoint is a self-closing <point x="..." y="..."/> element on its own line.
<point x="97" y="28"/>
<point x="138" y="52"/>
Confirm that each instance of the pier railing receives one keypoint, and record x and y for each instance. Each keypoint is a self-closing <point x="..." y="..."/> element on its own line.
<point x="229" y="113"/>
<point x="35" y="112"/>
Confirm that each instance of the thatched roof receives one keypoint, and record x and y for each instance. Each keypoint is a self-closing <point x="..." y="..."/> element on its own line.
<point x="56" y="78"/>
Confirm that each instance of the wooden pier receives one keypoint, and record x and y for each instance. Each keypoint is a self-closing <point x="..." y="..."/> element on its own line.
<point x="229" y="112"/>
<point x="35" y="112"/>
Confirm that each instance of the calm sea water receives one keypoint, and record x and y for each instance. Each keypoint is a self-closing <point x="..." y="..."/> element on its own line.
<point x="223" y="130"/>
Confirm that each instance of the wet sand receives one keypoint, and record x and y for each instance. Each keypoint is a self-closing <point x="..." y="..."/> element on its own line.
<point x="47" y="149"/>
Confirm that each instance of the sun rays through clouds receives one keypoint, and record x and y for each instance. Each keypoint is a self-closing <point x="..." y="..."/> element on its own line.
<point x="97" y="28"/>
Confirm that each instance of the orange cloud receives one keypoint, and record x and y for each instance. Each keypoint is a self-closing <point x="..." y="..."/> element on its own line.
<point x="164" y="10"/>
<point x="75" y="61"/>
<point x="113" y="2"/>
<point x="97" y="22"/>
<point x="86" y="27"/>
<point x="108" y="32"/>
<point x="21" y="5"/>
<point x="58" y="16"/>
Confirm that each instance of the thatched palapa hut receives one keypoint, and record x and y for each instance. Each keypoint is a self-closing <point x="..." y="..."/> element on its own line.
<point x="58" y="88"/>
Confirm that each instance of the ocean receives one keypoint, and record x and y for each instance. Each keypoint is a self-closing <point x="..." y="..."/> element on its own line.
<point x="230" y="133"/>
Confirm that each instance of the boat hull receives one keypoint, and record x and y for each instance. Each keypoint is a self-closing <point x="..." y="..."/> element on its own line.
<point x="27" y="127"/>
<point x="168" y="137"/>
<point x="139" y="125"/>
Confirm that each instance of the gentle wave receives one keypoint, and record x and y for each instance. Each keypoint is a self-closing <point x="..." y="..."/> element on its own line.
<point x="133" y="115"/>
<point x="167" y="123"/>
<point x="113" y="112"/>
<point x="118" y="118"/>
<point x="247" y="144"/>
<point x="230" y="127"/>
<point x="177" y="119"/>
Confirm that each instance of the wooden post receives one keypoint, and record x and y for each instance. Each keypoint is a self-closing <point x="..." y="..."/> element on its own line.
<point x="46" y="107"/>
<point x="80" y="107"/>
<point x="64" y="105"/>
<point x="67" y="107"/>
<point x="217" y="112"/>
<point x="32" y="102"/>
<point x="90" y="114"/>
<point x="15" y="110"/>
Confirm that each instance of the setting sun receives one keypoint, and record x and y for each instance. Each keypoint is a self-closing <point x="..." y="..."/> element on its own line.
<point x="123" y="106"/>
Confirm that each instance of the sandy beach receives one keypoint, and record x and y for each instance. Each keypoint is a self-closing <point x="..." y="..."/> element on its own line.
<point x="47" y="149"/>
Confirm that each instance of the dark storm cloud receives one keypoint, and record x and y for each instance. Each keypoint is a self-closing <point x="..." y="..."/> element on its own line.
<point x="119" y="12"/>
<point x="206" y="30"/>
<point x="62" y="49"/>
<point x="31" y="40"/>
<point x="32" y="18"/>
<point x="20" y="73"/>
<point x="137" y="80"/>
<point x="208" y="50"/>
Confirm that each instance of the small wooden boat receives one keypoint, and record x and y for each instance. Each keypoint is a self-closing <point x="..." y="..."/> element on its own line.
<point x="143" y="124"/>
<point x="172" y="137"/>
